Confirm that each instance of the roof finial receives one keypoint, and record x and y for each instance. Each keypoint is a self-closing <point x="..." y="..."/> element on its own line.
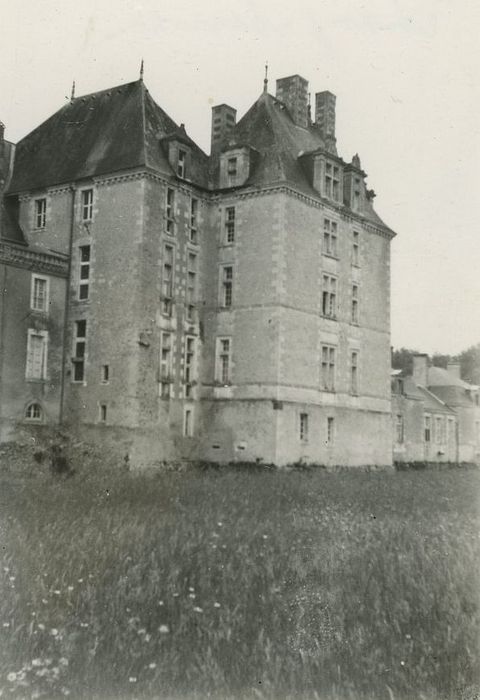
<point x="72" y="96"/>
<point x="141" y="70"/>
<point x="265" y="80"/>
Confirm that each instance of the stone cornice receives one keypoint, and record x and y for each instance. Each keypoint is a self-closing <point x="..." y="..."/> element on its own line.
<point x="44" y="262"/>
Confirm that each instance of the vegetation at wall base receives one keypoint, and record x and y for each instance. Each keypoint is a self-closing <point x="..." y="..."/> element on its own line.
<point x="239" y="583"/>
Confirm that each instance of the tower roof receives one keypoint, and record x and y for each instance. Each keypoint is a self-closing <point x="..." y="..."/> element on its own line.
<point x="100" y="133"/>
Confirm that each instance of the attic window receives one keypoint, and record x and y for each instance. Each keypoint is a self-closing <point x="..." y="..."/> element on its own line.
<point x="332" y="181"/>
<point x="182" y="163"/>
<point x="232" y="166"/>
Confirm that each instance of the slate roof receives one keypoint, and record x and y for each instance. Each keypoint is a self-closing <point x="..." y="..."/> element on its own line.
<point x="104" y="132"/>
<point x="269" y="128"/>
<point x="437" y="376"/>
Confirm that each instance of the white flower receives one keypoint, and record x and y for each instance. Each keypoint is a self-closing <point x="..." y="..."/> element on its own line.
<point x="402" y="663"/>
<point x="44" y="601"/>
<point x="54" y="632"/>
<point x="6" y="624"/>
<point x="63" y="661"/>
<point x="164" y="629"/>
<point x="192" y="595"/>
<point x="265" y="537"/>
<point x="70" y="588"/>
<point x="216" y="605"/>
<point x="41" y="626"/>
<point x="219" y="523"/>
<point x="152" y="665"/>
<point x="197" y="610"/>
<point x="142" y="631"/>
<point x="12" y="578"/>
<point x="36" y="662"/>
<point x="12" y="676"/>
<point x="57" y="592"/>
<point x="147" y="638"/>
<point x="80" y="580"/>
<point x="132" y="679"/>
<point x="160" y="602"/>
<point x="192" y="590"/>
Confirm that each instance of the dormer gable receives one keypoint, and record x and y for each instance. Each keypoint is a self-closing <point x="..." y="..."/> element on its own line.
<point x="179" y="153"/>
<point x="325" y="173"/>
<point x="236" y="164"/>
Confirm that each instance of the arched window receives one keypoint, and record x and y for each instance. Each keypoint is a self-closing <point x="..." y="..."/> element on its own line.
<point x="34" y="412"/>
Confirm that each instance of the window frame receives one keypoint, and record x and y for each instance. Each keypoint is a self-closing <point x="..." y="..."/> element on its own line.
<point x="303" y="427"/>
<point x="105" y="374"/>
<point x="330" y="440"/>
<point x="356" y="248"/>
<point x="182" y="163"/>
<point x="166" y="364"/>
<point x="193" y="229"/>
<point x="84" y="265"/>
<point x="330" y="238"/>
<point x="230" y="225"/>
<point x="189" y="365"/>
<point x="33" y="296"/>
<point x="30" y="358"/>
<point x="355" y="305"/>
<point x="329" y="296"/>
<point x="40" y="213"/>
<point x="170" y="211"/>
<point x="328" y="358"/>
<point x="354" y="371"/>
<point x="86" y="204"/>
<point x="168" y="279"/>
<point x="188" y="421"/>
<point x="223" y="360"/>
<point x="34" y="419"/>
<point x="79" y="358"/>
<point x="191" y="286"/>
<point x="226" y="286"/>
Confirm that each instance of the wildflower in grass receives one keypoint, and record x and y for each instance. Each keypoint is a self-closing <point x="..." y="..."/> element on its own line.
<point x="175" y="595"/>
<point x="402" y="663"/>
<point x="56" y="591"/>
<point x="192" y="590"/>
<point x="11" y="677"/>
<point x="192" y="595"/>
<point x="164" y="629"/>
<point x="197" y="610"/>
<point x="54" y="632"/>
<point x="70" y="588"/>
<point x="160" y="602"/>
<point x="36" y="662"/>
<point x="152" y="665"/>
<point x="216" y="605"/>
<point x="132" y="679"/>
<point x="84" y="624"/>
<point x="408" y="636"/>
<point x="141" y="631"/>
<point x="6" y="569"/>
<point x="44" y="601"/>
<point x="47" y="662"/>
<point x="6" y="624"/>
<point x="12" y="578"/>
<point x="80" y="580"/>
<point x="41" y="626"/>
<point x="63" y="661"/>
<point x="265" y="537"/>
<point x="65" y="691"/>
<point x="147" y="638"/>
<point x="219" y="524"/>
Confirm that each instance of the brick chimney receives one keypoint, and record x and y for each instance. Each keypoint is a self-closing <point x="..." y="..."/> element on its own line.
<point x="420" y="369"/>
<point x="223" y="122"/>
<point x="2" y="137"/>
<point x="454" y="369"/>
<point x="293" y="92"/>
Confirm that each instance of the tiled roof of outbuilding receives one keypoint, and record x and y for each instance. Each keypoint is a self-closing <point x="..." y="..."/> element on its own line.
<point x="438" y="376"/>
<point x="101" y="133"/>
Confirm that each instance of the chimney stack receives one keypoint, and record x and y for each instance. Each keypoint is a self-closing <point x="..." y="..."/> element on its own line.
<point x="454" y="369"/>
<point x="2" y="137"/>
<point x="223" y="123"/>
<point x="325" y="113"/>
<point x="293" y="92"/>
<point x="420" y="369"/>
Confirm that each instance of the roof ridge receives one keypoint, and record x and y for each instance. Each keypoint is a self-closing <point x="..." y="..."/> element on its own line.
<point x="106" y="90"/>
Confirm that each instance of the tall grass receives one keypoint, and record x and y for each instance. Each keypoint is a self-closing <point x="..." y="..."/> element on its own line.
<point x="229" y="584"/>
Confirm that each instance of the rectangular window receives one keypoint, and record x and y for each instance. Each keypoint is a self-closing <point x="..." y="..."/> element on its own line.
<point x="193" y="221"/>
<point x="39" y="293"/>
<point x="189" y="365"/>
<point x="332" y="181"/>
<point x="188" y="422"/>
<point x="226" y="289"/>
<point x="427" y="428"/>
<point x="167" y="279"/>
<point x="84" y="273"/>
<point x="37" y="347"/>
<point x="328" y="368"/>
<point x="356" y="195"/>
<point x="232" y="166"/>
<point x="354" y="303"/>
<point x="439" y="430"/>
<point x="165" y="364"/>
<point x="330" y="238"/>
<point x="102" y="413"/>
<point x="87" y="205"/>
<point x="356" y="249"/>
<point x="230" y="224"/>
<point x="223" y="360"/>
<point x="329" y="296"/>
<point x="79" y="347"/>
<point x="303" y="431"/>
<point x="330" y="430"/>
<point x="170" y="211"/>
<point x="354" y="372"/>
<point x="105" y="374"/>
<point x="191" y="287"/>
<point x="182" y="163"/>
<point x="399" y="430"/>
<point x="40" y="213"/>
<point x="451" y="431"/>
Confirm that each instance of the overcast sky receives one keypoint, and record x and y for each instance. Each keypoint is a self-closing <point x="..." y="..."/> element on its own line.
<point x="405" y="73"/>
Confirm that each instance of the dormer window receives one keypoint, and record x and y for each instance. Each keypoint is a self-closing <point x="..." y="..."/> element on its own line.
<point x="232" y="166"/>
<point x="332" y="181"/>
<point x="182" y="163"/>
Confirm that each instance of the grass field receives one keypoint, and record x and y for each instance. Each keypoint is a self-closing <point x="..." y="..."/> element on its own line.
<point x="235" y="584"/>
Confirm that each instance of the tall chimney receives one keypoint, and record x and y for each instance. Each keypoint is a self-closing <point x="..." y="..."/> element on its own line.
<point x="223" y="123"/>
<point x="420" y="369"/>
<point x="2" y="137"/>
<point x="293" y="92"/>
<point x="454" y="369"/>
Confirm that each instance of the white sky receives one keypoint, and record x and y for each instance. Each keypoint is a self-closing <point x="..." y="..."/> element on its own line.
<point x="405" y="73"/>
